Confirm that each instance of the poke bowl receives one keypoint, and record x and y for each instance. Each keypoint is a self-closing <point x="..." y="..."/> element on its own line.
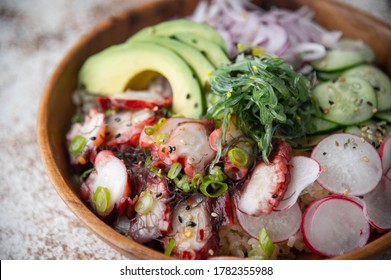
<point x="60" y="144"/>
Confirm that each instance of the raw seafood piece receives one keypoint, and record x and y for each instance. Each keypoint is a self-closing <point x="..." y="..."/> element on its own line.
<point x="268" y="183"/>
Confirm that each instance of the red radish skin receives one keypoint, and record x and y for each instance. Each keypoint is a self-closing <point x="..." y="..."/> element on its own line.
<point x="385" y="153"/>
<point x="377" y="205"/>
<point x="388" y="173"/>
<point x="307" y="216"/>
<point x="350" y="166"/>
<point x="335" y="225"/>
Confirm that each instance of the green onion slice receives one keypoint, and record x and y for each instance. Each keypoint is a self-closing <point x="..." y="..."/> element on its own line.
<point x="174" y="170"/>
<point x="149" y="131"/>
<point x="213" y="189"/>
<point x="197" y="179"/>
<point x="170" y="247"/>
<point x="265" y="242"/>
<point x="161" y="138"/>
<point x="77" y="144"/>
<point x="161" y="122"/>
<point x="145" y="203"/>
<point x="216" y="174"/>
<point x="101" y="198"/>
<point x="238" y="156"/>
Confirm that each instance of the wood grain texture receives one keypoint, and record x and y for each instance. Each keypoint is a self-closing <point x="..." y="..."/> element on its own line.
<point x="56" y="107"/>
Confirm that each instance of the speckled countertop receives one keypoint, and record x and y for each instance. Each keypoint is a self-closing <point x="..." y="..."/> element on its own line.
<point x="34" y="35"/>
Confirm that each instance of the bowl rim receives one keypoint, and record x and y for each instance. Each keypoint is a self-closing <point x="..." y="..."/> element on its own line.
<point x="122" y="244"/>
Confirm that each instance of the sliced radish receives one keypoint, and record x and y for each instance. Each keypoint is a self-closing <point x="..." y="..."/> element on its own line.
<point x="307" y="216"/>
<point x="279" y="225"/>
<point x="350" y="165"/>
<point x="385" y="153"/>
<point x="335" y="225"/>
<point x="388" y="173"/>
<point x="303" y="171"/>
<point x="377" y="205"/>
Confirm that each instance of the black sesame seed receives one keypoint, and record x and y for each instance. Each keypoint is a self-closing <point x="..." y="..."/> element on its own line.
<point x="324" y="153"/>
<point x="188" y="96"/>
<point x="195" y="105"/>
<point x="274" y="195"/>
<point x="376" y="88"/>
<point x="180" y="219"/>
<point x="187" y="207"/>
<point x="173" y="37"/>
<point x="117" y="119"/>
<point x="118" y="135"/>
<point x="331" y="102"/>
<point x="107" y="133"/>
<point x="159" y="195"/>
<point x="92" y="138"/>
<point x="203" y="53"/>
<point x="369" y="103"/>
<point x="360" y="197"/>
<point x="191" y="224"/>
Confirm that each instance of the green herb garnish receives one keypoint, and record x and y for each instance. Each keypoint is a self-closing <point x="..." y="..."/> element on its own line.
<point x="268" y="98"/>
<point x="101" y="198"/>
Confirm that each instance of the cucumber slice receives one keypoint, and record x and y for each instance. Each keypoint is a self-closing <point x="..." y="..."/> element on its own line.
<point x="380" y="82"/>
<point x="318" y="125"/>
<point x="308" y="142"/>
<point x="328" y="76"/>
<point x="346" y="101"/>
<point x="373" y="132"/>
<point x="384" y="116"/>
<point x="348" y="53"/>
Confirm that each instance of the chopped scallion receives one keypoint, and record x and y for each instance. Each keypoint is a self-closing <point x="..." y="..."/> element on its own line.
<point x="101" y="198"/>
<point x="170" y="247"/>
<point x="174" y="170"/>
<point x="265" y="242"/>
<point x="145" y="203"/>
<point x="77" y="144"/>
<point x="238" y="156"/>
<point x="213" y="189"/>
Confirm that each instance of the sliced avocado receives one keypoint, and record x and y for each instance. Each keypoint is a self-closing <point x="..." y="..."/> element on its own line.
<point x="200" y="64"/>
<point x="212" y="51"/>
<point x="119" y="67"/>
<point x="172" y="27"/>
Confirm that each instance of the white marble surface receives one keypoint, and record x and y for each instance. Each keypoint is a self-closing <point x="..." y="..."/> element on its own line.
<point x="34" y="36"/>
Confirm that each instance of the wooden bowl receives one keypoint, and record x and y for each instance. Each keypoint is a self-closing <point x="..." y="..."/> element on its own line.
<point x="56" y="108"/>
